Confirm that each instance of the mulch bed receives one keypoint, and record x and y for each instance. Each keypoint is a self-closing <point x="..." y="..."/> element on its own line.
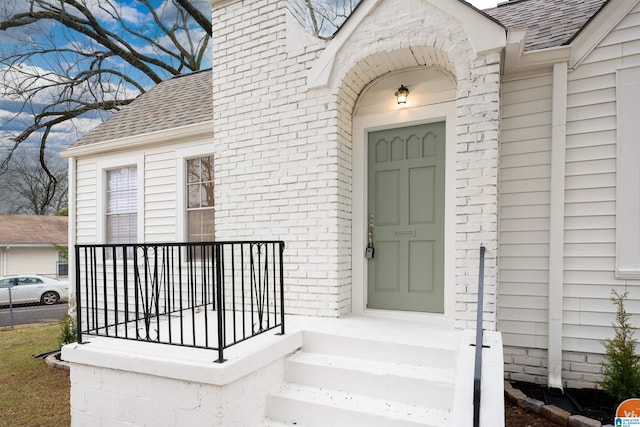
<point x="594" y="404"/>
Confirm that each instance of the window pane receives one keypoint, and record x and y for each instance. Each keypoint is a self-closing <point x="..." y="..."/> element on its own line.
<point x="121" y="190"/>
<point x="122" y="204"/>
<point x="201" y="225"/>
<point x="206" y="194"/>
<point x="193" y="192"/>
<point x="121" y="228"/>
<point x="206" y="168"/>
<point x="193" y="170"/>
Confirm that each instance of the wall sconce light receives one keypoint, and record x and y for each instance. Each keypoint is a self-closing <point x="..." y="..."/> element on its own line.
<point x="402" y="95"/>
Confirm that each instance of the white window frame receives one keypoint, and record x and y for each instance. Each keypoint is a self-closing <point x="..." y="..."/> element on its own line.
<point x="628" y="174"/>
<point x="101" y="218"/>
<point x="207" y="209"/>
<point x="182" y="155"/>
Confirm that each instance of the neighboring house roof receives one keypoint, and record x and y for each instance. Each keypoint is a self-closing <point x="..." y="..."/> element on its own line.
<point x="180" y="101"/>
<point x="33" y="229"/>
<point x="549" y="23"/>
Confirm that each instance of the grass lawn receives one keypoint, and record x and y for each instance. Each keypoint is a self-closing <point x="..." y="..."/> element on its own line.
<point x="31" y="393"/>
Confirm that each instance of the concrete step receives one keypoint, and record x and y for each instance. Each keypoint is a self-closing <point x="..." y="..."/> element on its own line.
<point x="340" y="379"/>
<point x="307" y="406"/>
<point x="414" y="384"/>
<point x="436" y="352"/>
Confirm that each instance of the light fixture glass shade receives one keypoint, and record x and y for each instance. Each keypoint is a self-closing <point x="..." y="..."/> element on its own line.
<point x="402" y="94"/>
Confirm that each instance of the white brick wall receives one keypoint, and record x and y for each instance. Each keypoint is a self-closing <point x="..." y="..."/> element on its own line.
<point x="108" y="397"/>
<point x="579" y="370"/>
<point x="284" y="153"/>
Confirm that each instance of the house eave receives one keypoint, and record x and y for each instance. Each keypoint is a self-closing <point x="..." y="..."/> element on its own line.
<point x="517" y="60"/>
<point x="485" y="34"/>
<point x="166" y="136"/>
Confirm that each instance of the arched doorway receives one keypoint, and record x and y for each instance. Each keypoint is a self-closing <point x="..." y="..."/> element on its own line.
<point x="404" y="194"/>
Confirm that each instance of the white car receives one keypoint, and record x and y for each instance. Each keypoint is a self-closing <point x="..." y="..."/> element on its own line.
<point x="32" y="289"/>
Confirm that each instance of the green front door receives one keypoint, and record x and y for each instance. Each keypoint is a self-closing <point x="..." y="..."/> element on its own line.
<point x="406" y="218"/>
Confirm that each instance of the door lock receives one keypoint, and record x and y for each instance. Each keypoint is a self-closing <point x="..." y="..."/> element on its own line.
<point x="370" y="250"/>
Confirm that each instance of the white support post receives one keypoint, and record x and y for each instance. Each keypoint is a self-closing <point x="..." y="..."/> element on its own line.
<point x="71" y="240"/>
<point x="556" y="224"/>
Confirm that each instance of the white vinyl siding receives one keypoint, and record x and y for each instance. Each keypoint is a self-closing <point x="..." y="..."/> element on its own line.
<point x="160" y="196"/>
<point x="590" y="209"/>
<point x="32" y="260"/>
<point x="86" y="201"/>
<point x="160" y="200"/>
<point x="590" y="200"/>
<point x="525" y="158"/>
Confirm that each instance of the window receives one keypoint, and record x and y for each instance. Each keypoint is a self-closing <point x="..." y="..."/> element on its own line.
<point x="121" y="213"/>
<point x="200" y="207"/>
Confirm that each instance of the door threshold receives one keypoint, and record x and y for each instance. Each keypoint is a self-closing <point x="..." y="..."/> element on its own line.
<point x="433" y="318"/>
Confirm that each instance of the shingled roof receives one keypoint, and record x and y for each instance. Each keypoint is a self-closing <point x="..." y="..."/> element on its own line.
<point x="549" y="23"/>
<point x="33" y="230"/>
<point x="180" y="101"/>
<point x="188" y="99"/>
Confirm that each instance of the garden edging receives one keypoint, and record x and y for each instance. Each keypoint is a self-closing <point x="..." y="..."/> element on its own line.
<point x="551" y="412"/>
<point x="54" y="362"/>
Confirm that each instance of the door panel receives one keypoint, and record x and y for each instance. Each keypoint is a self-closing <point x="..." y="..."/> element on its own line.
<point x="387" y="266"/>
<point x="406" y="199"/>
<point x="422" y="202"/>
<point x="421" y="266"/>
<point x="388" y="185"/>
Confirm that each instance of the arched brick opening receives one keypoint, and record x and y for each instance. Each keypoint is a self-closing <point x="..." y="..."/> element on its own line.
<point x="476" y="80"/>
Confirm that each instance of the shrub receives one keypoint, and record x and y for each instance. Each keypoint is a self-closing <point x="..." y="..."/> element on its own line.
<point x="68" y="330"/>
<point x="622" y="369"/>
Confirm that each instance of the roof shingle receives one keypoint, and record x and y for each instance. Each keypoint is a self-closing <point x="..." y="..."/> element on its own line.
<point x="179" y="101"/>
<point x="33" y="229"/>
<point x="549" y="23"/>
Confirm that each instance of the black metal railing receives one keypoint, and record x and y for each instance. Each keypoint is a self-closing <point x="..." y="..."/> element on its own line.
<point x="477" y="374"/>
<point x="206" y="295"/>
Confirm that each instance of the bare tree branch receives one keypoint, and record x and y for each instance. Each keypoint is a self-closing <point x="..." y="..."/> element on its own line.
<point x="97" y="56"/>
<point x="34" y="191"/>
<point x="326" y="16"/>
<point x="200" y="18"/>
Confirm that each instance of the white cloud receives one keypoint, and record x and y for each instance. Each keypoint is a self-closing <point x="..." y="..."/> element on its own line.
<point x="485" y="4"/>
<point x="13" y="120"/>
<point x="106" y="10"/>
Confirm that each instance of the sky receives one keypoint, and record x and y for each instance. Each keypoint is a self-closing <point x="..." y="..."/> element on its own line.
<point x="485" y="4"/>
<point x="45" y="34"/>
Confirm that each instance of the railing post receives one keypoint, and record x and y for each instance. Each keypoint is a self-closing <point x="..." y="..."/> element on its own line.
<point x="477" y="376"/>
<point x="220" y="304"/>
<point x="281" y="288"/>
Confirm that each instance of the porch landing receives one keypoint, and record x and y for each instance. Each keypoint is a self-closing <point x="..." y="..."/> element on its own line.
<point x="356" y="370"/>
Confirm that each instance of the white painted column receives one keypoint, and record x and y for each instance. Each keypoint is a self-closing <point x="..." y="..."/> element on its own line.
<point x="556" y="224"/>
<point x="71" y="239"/>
